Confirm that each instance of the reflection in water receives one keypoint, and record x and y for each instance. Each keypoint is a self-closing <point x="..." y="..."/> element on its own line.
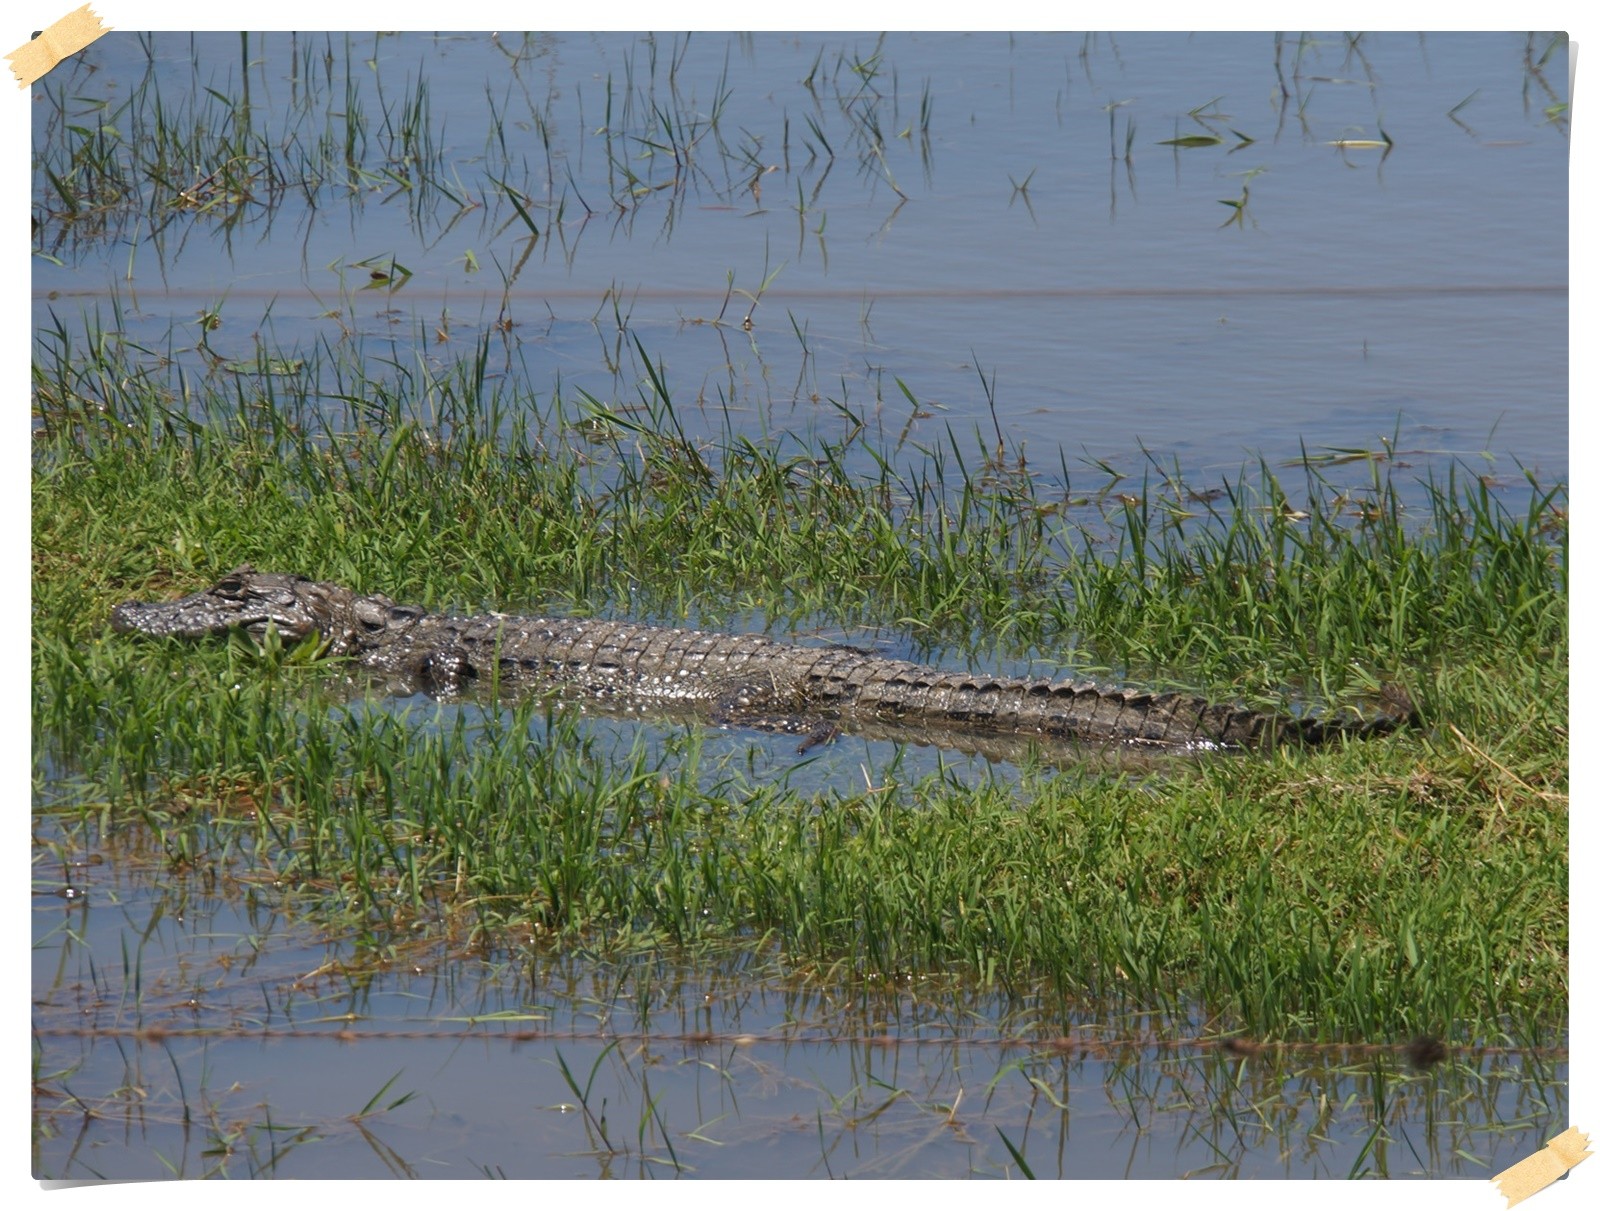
<point x="375" y="1103"/>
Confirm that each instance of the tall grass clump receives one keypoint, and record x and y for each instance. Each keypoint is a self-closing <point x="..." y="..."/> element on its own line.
<point x="1329" y="586"/>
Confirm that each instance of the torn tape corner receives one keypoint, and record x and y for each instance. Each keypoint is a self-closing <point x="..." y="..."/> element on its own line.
<point x="1532" y="1174"/>
<point x="65" y="37"/>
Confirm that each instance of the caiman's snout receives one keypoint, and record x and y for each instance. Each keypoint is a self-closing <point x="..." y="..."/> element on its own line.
<point x="241" y="599"/>
<point x="131" y="616"/>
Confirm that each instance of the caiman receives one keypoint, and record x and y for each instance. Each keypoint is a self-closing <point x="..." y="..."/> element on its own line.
<point x="746" y="680"/>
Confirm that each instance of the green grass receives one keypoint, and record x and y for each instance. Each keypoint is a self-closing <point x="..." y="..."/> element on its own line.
<point x="1370" y="891"/>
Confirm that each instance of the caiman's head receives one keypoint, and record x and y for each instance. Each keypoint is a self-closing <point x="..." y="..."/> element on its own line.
<point x="245" y="599"/>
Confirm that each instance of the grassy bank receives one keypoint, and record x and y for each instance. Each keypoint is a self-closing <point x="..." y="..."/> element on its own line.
<point x="1415" y="883"/>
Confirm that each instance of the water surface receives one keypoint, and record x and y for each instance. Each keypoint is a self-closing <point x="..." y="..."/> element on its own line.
<point x="992" y="220"/>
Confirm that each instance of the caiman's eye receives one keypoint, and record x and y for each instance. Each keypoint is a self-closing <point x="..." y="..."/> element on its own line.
<point x="378" y="615"/>
<point x="233" y="584"/>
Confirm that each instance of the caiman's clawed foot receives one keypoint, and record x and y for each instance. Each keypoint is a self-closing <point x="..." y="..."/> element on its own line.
<point x="825" y="733"/>
<point x="445" y="671"/>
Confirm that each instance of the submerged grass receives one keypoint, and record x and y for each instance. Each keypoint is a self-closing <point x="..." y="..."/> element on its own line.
<point x="180" y="143"/>
<point x="1413" y="884"/>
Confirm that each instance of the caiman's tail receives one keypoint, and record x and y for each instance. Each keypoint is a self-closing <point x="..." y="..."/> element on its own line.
<point x="1395" y="710"/>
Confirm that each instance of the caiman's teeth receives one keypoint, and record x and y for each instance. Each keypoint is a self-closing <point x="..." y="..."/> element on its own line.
<point x="745" y="680"/>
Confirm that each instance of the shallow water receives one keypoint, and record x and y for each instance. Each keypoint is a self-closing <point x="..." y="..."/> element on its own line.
<point x="185" y="1031"/>
<point x="990" y="225"/>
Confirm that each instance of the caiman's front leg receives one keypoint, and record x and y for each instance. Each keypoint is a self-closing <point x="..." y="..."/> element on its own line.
<point x="444" y="671"/>
<point x="760" y="707"/>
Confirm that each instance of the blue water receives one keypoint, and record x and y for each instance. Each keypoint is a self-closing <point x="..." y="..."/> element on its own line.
<point x="1421" y="291"/>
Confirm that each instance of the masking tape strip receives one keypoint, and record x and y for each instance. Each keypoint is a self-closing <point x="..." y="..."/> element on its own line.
<point x="66" y="37"/>
<point x="1532" y="1174"/>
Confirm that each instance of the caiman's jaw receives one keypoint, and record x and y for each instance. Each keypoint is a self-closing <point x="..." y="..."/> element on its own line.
<point x="243" y="599"/>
